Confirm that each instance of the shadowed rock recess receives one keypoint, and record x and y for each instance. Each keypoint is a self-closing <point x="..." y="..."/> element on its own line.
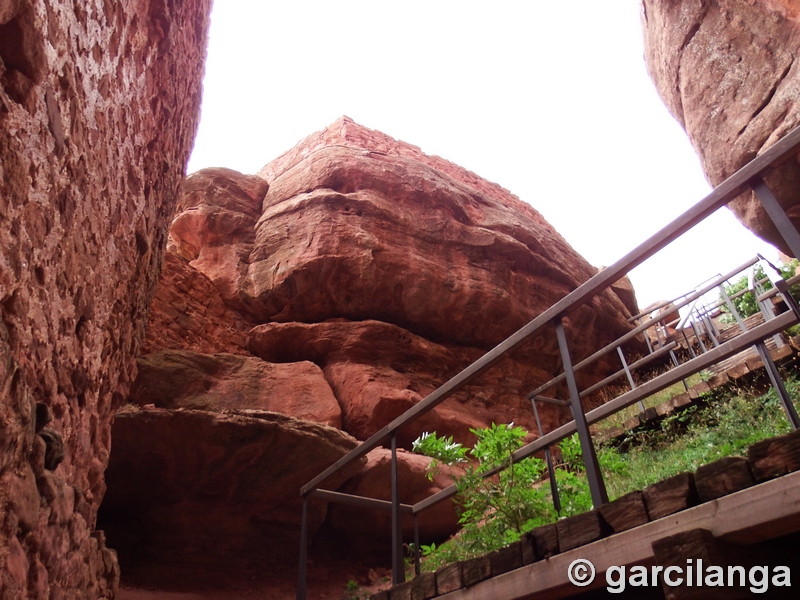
<point x="727" y="71"/>
<point x="342" y="284"/>
<point x="99" y="103"/>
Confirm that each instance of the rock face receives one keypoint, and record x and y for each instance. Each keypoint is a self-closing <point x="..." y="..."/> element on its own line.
<point x="215" y="382"/>
<point x="215" y="489"/>
<point x="726" y="70"/>
<point x="98" y="108"/>
<point x="348" y="280"/>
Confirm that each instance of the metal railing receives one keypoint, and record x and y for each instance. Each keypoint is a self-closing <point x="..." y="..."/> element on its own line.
<point x="749" y="177"/>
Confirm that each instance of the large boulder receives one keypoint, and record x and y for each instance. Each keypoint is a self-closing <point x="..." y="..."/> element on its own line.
<point x="216" y="382"/>
<point x="726" y="70"/>
<point x="360" y="226"/>
<point x="99" y="103"/>
<point x="378" y="371"/>
<point x="348" y="280"/>
<point x="215" y="490"/>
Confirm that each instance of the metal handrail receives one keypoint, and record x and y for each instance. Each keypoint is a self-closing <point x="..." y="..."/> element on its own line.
<point x="748" y="177"/>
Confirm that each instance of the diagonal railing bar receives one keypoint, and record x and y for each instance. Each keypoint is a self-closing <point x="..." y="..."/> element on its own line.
<point x="360" y="501"/>
<point x="649" y="388"/>
<point x="687" y="299"/>
<point x="719" y="197"/>
<point x="631" y="367"/>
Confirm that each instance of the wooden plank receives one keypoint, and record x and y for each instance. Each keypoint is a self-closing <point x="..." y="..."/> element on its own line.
<point x="682" y="400"/>
<point x="718" y="380"/>
<point x="528" y="550"/>
<point x="759" y="513"/>
<point x="401" y="591"/>
<point x="448" y="578"/>
<point x="670" y="496"/>
<point x="691" y="547"/>
<point x="475" y="570"/>
<point x="626" y="512"/>
<point x="580" y="530"/>
<point x="723" y="477"/>
<point x="775" y="457"/>
<point x="423" y="586"/>
<point x="506" y="559"/>
<point x="544" y="539"/>
<point x="665" y="408"/>
<point x="738" y="371"/>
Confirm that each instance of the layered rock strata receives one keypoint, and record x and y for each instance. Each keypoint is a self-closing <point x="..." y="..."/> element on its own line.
<point x="99" y="103"/>
<point x="727" y="71"/>
<point x="344" y="283"/>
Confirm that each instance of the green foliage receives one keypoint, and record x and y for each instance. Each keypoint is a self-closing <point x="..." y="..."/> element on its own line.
<point x="746" y="304"/>
<point x="493" y="511"/>
<point x="441" y="450"/>
<point x="353" y="591"/>
<point x="496" y="511"/>
<point x="700" y="435"/>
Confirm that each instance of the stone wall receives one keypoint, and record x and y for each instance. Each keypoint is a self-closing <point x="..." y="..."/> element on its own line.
<point x="99" y="102"/>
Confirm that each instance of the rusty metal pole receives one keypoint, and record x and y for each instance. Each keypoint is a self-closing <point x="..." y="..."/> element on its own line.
<point x="416" y="545"/>
<point x="779" y="217"/>
<point x="398" y="570"/>
<point x="597" y="486"/>
<point x="629" y="375"/>
<point x="302" y="567"/>
<point x="548" y="457"/>
<point x="777" y="383"/>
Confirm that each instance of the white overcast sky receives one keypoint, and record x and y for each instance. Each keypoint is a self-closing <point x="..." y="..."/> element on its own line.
<point x="549" y="99"/>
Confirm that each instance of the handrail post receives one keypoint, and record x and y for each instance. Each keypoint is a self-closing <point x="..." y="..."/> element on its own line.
<point x="302" y="567"/>
<point x="416" y="545"/>
<point x="629" y="375"/>
<point x="777" y="383"/>
<point x="548" y="457"/>
<point x="398" y="571"/>
<point x="732" y="307"/>
<point x="593" y="474"/>
<point x="779" y="217"/>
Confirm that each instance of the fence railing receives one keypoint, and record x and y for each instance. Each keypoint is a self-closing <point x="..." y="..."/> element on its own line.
<point x="749" y="177"/>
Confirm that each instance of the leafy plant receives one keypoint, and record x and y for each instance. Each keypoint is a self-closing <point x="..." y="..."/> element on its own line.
<point x="496" y="511"/>
<point x="353" y="591"/>
<point x="441" y="450"/>
<point x="746" y="304"/>
<point x="493" y="511"/>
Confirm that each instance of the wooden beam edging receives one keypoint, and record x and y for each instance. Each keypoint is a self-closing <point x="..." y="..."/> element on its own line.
<point x="721" y="352"/>
<point x="758" y="513"/>
<point x="719" y="197"/>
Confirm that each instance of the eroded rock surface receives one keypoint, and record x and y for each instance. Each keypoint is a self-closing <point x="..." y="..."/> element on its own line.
<point x="343" y="284"/>
<point x="367" y="534"/>
<point x="98" y="107"/>
<point x="726" y="70"/>
<point x="216" y="490"/>
<point x="378" y="371"/>
<point x="215" y="382"/>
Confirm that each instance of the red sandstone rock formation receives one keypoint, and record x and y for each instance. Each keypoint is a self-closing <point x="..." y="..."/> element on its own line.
<point x="98" y="109"/>
<point x="342" y="285"/>
<point x="215" y="489"/>
<point x="215" y="382"/>
<point x="726" y="70"/>
<point x="378" y="371"/>
<point x="367" y="534"/>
